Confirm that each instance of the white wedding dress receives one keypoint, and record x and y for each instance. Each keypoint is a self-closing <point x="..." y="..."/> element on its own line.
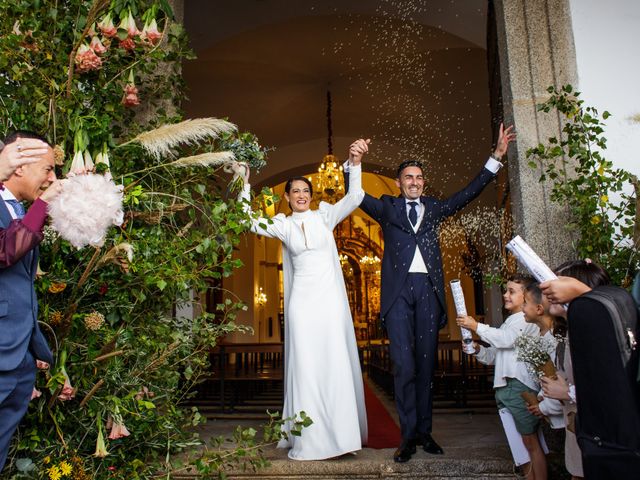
<point x="322" y="374"/>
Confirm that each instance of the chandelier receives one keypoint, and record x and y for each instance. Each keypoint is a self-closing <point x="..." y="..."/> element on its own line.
<point x="261" y="298"/>
<point x="370" y="264"/>
<point x="367" y="260"/>
<point x="329" y="185"/>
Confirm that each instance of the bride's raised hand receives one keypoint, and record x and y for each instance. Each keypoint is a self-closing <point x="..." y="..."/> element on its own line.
<point x="240" y="170"/>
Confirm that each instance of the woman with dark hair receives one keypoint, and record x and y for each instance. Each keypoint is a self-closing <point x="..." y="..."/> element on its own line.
<point x="322" y="367"/>
<point x="574" y="278"/>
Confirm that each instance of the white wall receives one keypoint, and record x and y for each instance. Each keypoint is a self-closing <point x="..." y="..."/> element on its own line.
<point x="607" y="40"/>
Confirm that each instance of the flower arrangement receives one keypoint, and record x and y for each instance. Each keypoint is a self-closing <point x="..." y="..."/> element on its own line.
<point x="535" y="351"/>
<point x="157" y="228"/>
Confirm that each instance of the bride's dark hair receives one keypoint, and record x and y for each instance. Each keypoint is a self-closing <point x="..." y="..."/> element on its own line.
<point x="287" y="186"/>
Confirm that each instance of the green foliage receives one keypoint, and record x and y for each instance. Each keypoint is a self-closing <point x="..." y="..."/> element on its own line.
<point x="110" y="311"/>
<point x="587" y="183"/>
<point x="249" y="448"/>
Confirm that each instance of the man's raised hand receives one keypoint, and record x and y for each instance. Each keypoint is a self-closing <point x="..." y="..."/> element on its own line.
<point x="505" y="136"/>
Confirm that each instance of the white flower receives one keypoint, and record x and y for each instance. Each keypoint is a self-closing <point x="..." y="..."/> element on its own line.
<point x="85" y="209"/>
<point x="88" y="161"/>
<point x="535" y="351"/>
<point x="77" y="165"/>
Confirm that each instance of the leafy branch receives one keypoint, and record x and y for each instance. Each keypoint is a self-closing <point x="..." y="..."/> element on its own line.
<point x="603" y="214"/>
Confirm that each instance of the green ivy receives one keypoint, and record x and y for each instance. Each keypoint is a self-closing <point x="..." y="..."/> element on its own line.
<point x="584" y="180"/>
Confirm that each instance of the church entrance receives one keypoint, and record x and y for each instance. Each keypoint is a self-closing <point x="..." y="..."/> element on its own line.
<point x="421" y="79"/>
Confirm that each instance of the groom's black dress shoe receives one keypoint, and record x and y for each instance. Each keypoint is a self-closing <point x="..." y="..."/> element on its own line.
<point x="429" y="445"/>
<point x="404" y="451"/>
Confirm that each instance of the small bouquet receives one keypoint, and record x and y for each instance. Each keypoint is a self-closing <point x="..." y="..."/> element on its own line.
<point x="535" y="351"/>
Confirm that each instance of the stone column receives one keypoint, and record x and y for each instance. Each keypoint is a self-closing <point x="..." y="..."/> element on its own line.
<point x="147" y="112"/>
<point x="536" y="49"/>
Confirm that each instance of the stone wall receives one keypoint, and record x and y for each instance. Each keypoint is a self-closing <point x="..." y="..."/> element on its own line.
<point x="535" y="43"/>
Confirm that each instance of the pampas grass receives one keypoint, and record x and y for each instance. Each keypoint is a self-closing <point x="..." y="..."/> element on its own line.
<point x="213" y="159"/>
<point x="119" y="251"/>
<point x="85" y="209"/>
<point x="160" y="142"/>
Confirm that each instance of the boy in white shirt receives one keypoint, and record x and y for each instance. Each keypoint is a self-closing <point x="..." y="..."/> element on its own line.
<point x="511" y="377"/>
<point x="536" y="311"/>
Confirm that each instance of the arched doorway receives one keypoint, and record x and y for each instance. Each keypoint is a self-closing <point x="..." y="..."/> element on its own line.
<point x="413" y="77"/>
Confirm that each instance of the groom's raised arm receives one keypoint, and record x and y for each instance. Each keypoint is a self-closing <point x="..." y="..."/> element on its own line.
<point x="460" y="199"/>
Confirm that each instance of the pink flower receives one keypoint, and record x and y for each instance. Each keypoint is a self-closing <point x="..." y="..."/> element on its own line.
<point x="97" y="46"/>
<point x="86" y="59"/>
<point x="144" y="392"/>
<point x="77" y="165"/>
<point x="118" y="430"/>
<point x="107" y="27"/>
<point x="130" y="98"/>
<point x="129" y="24"/>
<point x="128" y="44"/>
<point x="35" y="393"/>
<point x="41" y="365"/>
<point x="150" y="33"/>
<point x="68" y="392"/>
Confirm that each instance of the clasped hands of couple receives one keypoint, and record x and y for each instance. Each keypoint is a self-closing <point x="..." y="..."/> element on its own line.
<point x="361" y="147"/>
<point x="356" y="151"/>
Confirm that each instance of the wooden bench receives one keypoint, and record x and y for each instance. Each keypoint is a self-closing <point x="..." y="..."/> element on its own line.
<point x="243" y="367"/>
<point x="457" y="375"/>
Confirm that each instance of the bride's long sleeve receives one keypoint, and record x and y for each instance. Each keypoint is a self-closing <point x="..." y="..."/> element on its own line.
<point x="334" y="214"/>
<point x="274" y="227"/>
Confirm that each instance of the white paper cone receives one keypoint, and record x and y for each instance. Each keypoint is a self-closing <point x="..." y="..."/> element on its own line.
<point x="461" y="310"/>
<point x="532" y="262"/>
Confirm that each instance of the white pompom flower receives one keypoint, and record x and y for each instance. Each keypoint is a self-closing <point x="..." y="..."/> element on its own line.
<point x="85" y="209"/>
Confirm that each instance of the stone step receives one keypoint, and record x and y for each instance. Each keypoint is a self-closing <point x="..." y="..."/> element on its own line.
<point x="487" y="462"/>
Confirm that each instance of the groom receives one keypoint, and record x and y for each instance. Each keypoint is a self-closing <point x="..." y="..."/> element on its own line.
<point x="413" y="305"/>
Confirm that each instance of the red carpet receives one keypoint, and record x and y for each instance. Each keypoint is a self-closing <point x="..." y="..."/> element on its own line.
<point x="383" y="431"/>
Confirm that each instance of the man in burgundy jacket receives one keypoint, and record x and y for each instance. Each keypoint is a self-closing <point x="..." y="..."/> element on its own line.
<point x="21" y="341"/>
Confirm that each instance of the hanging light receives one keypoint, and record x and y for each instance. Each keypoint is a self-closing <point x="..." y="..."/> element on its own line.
<point x="261" y="298"/>
<point x="329" y="184"/>
<point x="370" y="264"/>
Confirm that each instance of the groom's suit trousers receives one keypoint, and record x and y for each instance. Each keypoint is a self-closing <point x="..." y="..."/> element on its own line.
<point x="412" y="326"/>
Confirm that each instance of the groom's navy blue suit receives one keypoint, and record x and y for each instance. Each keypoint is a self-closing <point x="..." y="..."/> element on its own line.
<point x="21" y="341"/>
<point x="413" y="306"/>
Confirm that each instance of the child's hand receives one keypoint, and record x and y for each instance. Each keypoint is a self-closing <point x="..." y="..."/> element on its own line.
<point x="555" y="388"/>
<point x="535" y="410"/>
<point x="476" y="348"/>
<point x="467" y="322"/>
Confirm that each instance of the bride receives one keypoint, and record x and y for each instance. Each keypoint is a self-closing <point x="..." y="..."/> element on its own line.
<point x="322" y="370"/>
